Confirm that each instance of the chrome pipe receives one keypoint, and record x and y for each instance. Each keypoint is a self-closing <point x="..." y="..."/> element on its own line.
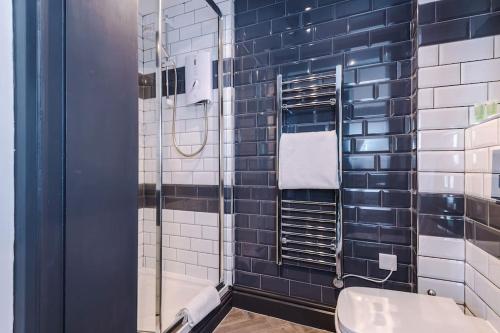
<point x="321" y="254"/>
<point x="311" y="87"/>
<point x="303" y="105"/>
<point x="279" y="122"/>
<point x="307" y="219"/>
<point x="318" y="203"/>
<point x="311" y="211"/>
<point x="321" y="237"/>
<point x="220" y="81"/>
<point x="313" y="244"/>
<point x="340" y="121"/>
<point x="310" y="78"/>
<point x="159" y="169"/>
<point x="312" y="95"/>
<point x="308" y="227"/>
<point x="313" y="261"/>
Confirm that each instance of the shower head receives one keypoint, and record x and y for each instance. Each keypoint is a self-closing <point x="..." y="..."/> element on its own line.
<point x="214" y="6"/>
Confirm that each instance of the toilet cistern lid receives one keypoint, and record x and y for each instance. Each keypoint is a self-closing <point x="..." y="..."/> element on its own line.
<point x="370" y="310"/>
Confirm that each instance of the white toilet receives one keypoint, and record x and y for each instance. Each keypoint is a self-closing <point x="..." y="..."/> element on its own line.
<point x="370" y="310"/>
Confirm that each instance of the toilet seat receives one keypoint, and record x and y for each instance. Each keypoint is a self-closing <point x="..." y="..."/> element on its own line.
<point x="370" y="310"/>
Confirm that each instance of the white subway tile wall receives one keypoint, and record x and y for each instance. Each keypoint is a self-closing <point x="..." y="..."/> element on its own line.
<point x="482" y="291"/>
<point x="190" y="238"/>
<point x="452" y="78"/>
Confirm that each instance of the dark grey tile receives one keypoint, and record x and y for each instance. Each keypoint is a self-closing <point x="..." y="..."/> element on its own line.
<point x="395" y="235"/>
<point x="441" y="204"/>
<point x="476" y="209"/>
<point x="265" y="267"/>
<point x="319" y="15"/>
<point x="316" y="49"/>
<point x="348" y="8"/>
<point x="297" y="37"/>
<point x="452" y="9"/>
<point x="247" y="279"/>
<point x="441" y="225"/>
<point x="367" y="21"/>
<point x="305" y="290"/>
<point x="270" y="12"/>
<point x="285" y="23"/>
<point x="443" y="32"/>
<point x="276" y="285"/>
<point x="485" y="25"/>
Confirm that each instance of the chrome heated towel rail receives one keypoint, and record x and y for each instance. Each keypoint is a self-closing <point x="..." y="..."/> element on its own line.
<point x="309" y="222"/>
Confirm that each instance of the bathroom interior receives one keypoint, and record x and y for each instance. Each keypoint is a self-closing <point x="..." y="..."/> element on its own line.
<point x="301" y="166"/>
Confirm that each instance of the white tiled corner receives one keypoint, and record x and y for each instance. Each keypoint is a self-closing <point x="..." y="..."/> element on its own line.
<point x="474" y="184"/>
<point x="477" y="258"/>
<point x="441" y="247"/>
<point x="450" y="139"/>
<point x="440" y="182"/>
<point x="428" y="56"/>
<point x="488" y="292"/>
<point x="493" y="318"/>
<point x="480" y="71"/>
<point x="485" y="134"/>
<point x="442" y="161"/>
<point x="463" y="95"/>
<point x="443" y="118"/>
<point x="453" y="290"/>
<point x="442" y="269"/>
<point x="439" y="76"/>
<point x="494" y="270"/>
<point x="474" y="303"/>
<point x="477" y="160"/>
<point x="469" y="275"/>
<point x="425" y="98"/>
<point x="466" y="50"/>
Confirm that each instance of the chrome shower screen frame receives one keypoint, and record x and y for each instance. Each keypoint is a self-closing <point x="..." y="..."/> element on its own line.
<point x="159" y="152"/>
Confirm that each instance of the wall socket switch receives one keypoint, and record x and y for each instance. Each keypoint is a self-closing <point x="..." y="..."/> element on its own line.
<point x="388" y="262"/>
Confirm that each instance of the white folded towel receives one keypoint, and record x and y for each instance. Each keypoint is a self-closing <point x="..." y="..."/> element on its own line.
<point x="201" y="305"/>
<point x="308" y="161"/>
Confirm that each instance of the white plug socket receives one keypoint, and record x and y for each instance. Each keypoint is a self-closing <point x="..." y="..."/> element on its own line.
<point x="388" y="262"/>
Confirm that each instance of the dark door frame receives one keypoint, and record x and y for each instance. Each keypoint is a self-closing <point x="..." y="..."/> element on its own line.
<point x="39" y="74"/>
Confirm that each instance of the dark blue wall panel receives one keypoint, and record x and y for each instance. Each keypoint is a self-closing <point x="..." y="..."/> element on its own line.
<point x="101" y="166"/>
<point x="374" y="41"/>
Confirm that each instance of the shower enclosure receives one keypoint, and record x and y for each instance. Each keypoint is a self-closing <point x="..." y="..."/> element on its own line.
<point x="185" y="159"/>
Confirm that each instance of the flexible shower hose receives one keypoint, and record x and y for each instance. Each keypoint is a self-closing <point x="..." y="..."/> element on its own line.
<point x="174" y="117"/>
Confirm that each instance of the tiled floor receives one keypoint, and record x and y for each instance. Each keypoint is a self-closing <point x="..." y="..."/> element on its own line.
<point x="242" y="321"/>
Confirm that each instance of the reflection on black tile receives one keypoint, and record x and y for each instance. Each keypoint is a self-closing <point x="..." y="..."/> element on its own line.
<point x="451" y="9"/>
<point x="362" y="197"/>
<point x="392" y="34"/>
<point x="444" y="32"/>
<point x="348" y="8"/>
<point x="485" y="25"/>
<point x="476" y="209"/>
<point x="369" y="20"/>
<point x="395" y="235"/>
<point x="396" y="162"/>
<point x="285" y="23"/>
<point x="427" y="13"/>
<point x="372" y="215"/>
<point x="368" y="56"/>
<point x="359" y="162"/>
<point x="317" y="15"/>
<point x="351" y="41"/>
<point x="361" y="232"/>
<point x="441" y="225"/>
<point x="494" y="215"/>
<point x="487" y="239"/>
<point x="316" y="49"/>
<point x="441" y="204"/>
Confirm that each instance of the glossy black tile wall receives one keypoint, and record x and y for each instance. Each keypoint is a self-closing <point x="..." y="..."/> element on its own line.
<point x="197" y="198"/>
<point x="372" y="39"/>
<point x="452" y="20"/>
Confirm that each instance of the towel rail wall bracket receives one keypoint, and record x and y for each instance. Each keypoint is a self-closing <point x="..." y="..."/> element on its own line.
<point x="308" y="230"/>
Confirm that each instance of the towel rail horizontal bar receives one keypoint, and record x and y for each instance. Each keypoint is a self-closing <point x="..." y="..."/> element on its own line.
<point x="314" y="261"/>
<point x="312" y="95"/>
<point x="310" y="211"/>
<point x="314" y="244"/>
<point x="310" y="87"/>
<point x="317" y="203"/>
<point x="313" y="236"/>
<point x="309" y="219"/>
<point x="308" y="227"/>
<point x="316" y="253"/>
<point x="310" y="78"/>
<point x="303" y="105"/>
